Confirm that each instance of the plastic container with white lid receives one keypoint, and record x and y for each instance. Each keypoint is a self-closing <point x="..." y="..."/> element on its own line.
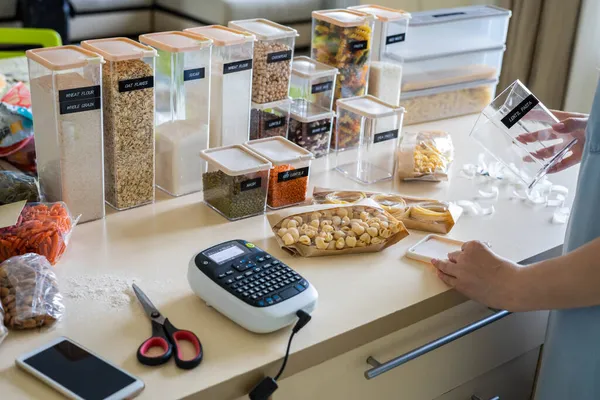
<point x="235" y="182"/>
<point x="128" y="106"/>
<point x="447" y="101"/>
<point x="273" y="53"/>
<point x="516" y="111"/>
<point x="454" y="30"/>
<point x="378" y="126"/>
<point x="66" y="98"/>
<point x="313" y="81"/>
<point x="288" y="182"/>
<point x="230" y="84"/>
<point x="343" y="39"/>
<point x="310" y="127"/>
<point x="270" y="119"/>
<point x="182" y="87"/>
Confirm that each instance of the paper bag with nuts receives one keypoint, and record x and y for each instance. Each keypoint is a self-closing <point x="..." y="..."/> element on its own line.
<point x="424" y="156"/>
<point x="29" y="292"/>
<point x="327" y="229"/>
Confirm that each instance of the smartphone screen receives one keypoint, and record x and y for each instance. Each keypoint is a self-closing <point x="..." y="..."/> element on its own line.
<point x="79" y="371"/>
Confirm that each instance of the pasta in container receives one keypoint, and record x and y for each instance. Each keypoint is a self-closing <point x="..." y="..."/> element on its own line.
<point x="424" y="156"/>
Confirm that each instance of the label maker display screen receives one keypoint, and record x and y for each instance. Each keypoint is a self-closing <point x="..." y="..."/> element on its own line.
<point x="225" y="254"/>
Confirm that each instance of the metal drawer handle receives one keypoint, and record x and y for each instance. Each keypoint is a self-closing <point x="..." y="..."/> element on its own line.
<point x="379" y="368"/>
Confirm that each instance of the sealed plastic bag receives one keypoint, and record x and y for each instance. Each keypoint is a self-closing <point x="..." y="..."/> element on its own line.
<point x="42" y="228"/>
<point x="424" y="156"/>
<point x="17" y="186"/>
<point x="29" y="292"/>
<point x="3" y="330"/>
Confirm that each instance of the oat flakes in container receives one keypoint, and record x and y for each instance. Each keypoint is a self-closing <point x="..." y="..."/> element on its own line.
<point x="313" y="82"/>
<point x="230" y="84"/>
<point x="235" y="181"/>
<point x="182" y="85"/>
<point x="270" y="119"/>
<point x="128" y="105"/>
<point x="273" y="52"/>
<point x="288" y="181"/>
<point x="310" y="127"/>
<point x="67" y="104"/>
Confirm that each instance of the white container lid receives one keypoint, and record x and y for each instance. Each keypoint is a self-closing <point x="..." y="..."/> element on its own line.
<point x="306" y="67"/>
<point x="263" y="29"/>
<point x="447" y="88"/>
<point x="279" y="150"/>
<point x="446" y="15"/>
<point x="382" y="13"/>
<point x="285" y="103"/>
<point x="235" y="160"/>
<point x="369" y="106"/>
<point x="306" y="112"/>
<point x="342" y="17"/>
<point x="433" y="57"/>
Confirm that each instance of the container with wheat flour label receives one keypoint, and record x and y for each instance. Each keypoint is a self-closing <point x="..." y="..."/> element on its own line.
<point x="128" y="106"/>
<point x="182" y="85"/>
<point x="66" y="98"/>
<point x="313" y="82"/>
<point x="230" y="84"/>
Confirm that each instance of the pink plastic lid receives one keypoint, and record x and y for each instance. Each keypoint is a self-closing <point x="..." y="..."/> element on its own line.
<point x="176" y="42"/>
<point x="63" y="57"/>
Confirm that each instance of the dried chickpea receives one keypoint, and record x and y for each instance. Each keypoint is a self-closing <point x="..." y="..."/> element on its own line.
<point x="281" y="232"/>
<point x="350" y="241"/>
<point x="288" y="239"/>
<point x="340" y="243"/>
<point x="320" y="243"/>
<point x="305" y="240"/>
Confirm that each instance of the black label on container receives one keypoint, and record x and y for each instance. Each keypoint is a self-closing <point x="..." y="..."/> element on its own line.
<point x="279" y="56"/>
<point x="520" y="111"/>
<point x="136" y="84"/>
<point x="250" y="184"/>
<point x="359" y="45"/>
<point x="395" y="38"/>
<point x="193" y="74"/>
<point x="70" y="107"/>
<point x="452" y="14"/>
<point x="383" y="136"/>
<point x="315" y="130"/>
<point x="237" y="66"/>
<point x="88" y="92"/>
<point x="274" y="123"/>
<point x="321" y="87"/>
<point x="293" y="174"/>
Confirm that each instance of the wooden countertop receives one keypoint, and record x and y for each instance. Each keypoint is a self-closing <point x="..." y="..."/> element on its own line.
<point x="362" y="298"/>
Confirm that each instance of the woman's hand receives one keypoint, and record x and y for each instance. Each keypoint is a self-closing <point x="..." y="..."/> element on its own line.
<point x="483" y="276"/>
<point x="571" y="125"/>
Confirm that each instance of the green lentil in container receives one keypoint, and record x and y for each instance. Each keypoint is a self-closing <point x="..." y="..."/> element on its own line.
<point x="236" y="197"/>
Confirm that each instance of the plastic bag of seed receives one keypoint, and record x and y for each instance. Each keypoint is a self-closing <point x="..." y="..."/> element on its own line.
<point x="29" y="292"/>
<point x="17" y="186"/>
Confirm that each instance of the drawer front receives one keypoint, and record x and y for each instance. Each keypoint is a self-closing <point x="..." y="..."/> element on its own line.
<point x="430" y="375"/>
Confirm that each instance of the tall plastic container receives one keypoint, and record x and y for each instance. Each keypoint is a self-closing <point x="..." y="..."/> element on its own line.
<point x="66" y="97"/>
<point x="273" y="53"/>
<point x="313" y="82"/>
<point x="230" y="84"/>
<point x="128" y="106"/>
<point x="182" y="109"/>
<point x="379" y="126"/>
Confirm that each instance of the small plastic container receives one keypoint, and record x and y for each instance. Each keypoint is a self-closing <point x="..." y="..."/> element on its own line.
<point x="182" y="109"/>
<point x="390" y="29"/>
<point x="455" y="30"/>
<point x="273" y="53"/>
<point x="128" y="106"/>
<point x="235" y="182"/>
<point x="514" y="112"/>
<point x="313" y="81"/>
<point x="270" y="119"/>
<point x="230" y="84"/>
<point x="67" y="101"/>
<point x="288" y="182"/>
<point x="447" y="101"/>
<point x="378" y="126"/>
<point x="343" y="39"/>
<point x="449" y="69"/>
<point x="310" y="127"/>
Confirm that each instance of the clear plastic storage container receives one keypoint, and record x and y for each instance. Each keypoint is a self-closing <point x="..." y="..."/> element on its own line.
<point x="447" y="101"/>
<point x="343" y="39"/>
<point x="378" y="126"/>
<point x="385" y="81"/>
<point x="230" y="85"/>
<point x="455" y="30"/>
<point x="67" y="103"/>
<point x="128" y="106"/>
<point x="235" y="182"/>
<point x="273" y="53"/>
<point x="270" y="119"/>
<point x="182" y="109"/>
<point x="516" y="111"/>
<point x="310" y="127"/>
<point x="288" y="182"/>
<point x="313" y="81"/>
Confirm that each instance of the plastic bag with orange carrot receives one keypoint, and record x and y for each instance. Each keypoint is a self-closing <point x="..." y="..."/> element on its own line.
<point x="42" y="228"/>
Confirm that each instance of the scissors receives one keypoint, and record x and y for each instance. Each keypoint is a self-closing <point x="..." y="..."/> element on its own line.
<point x="166" y="337"/>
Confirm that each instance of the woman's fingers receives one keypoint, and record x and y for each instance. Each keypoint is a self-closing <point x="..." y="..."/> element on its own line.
<point x="543" y="134"/>
<point x="447" y="279"/>
<point x="562" y="115"/>
<point x="454" y="256"/>
<point x="570" y="125"/>
<point x="447" y="267"/>
<point x="548" y="152"/>
<point x="565" y="163"/>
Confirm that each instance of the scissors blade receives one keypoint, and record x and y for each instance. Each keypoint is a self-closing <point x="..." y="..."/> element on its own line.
<point x="146" y="303"/>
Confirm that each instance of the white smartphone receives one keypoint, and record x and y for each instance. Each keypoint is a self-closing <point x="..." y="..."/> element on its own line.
<point x="79" y="374"/>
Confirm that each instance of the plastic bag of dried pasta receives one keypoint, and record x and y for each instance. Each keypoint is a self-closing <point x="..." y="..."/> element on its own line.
<point x="424" y="156"/>
<point x="29" y="292"/>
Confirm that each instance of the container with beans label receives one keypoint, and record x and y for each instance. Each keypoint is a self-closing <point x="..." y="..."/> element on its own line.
<point x="311" y="131"/>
